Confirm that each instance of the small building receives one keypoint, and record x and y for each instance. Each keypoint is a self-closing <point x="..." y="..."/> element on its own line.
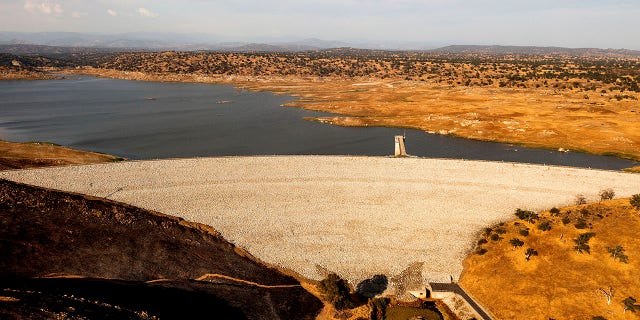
<point x="447" y="291"/>
<point x="420" y="294"/>
<point x="443" y="290"/>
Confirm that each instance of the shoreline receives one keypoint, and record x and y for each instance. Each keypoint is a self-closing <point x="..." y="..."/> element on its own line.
<point x="309" y="97"/>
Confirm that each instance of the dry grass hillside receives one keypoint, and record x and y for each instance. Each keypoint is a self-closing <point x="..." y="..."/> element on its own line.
<point x="13" y="67"/>
<point x="8" y="73"/>
<point x="559" y="282"/>
<point x="16" y="155"/>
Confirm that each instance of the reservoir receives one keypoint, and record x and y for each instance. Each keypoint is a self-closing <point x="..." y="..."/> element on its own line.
<point x="152" y="120"/>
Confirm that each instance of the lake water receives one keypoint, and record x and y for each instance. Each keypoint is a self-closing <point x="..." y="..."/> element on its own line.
<point x="148" y="120"/>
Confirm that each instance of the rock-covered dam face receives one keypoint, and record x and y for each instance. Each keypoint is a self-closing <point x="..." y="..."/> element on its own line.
<point x="356" y="216"/>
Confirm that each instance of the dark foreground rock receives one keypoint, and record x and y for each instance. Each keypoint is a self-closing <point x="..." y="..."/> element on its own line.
<point x="123" y="251"/>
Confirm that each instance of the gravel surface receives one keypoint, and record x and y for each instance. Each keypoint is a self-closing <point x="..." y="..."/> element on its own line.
<point x="357" y="216"/>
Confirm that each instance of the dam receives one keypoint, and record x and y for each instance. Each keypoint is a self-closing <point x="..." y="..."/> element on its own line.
<point x="356" y="216"/>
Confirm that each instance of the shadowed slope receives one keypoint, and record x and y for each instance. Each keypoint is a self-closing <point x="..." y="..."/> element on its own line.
<point x="44" y="233"/>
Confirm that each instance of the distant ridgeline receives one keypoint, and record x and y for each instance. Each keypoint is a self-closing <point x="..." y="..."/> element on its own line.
<point x="533" y="50"/>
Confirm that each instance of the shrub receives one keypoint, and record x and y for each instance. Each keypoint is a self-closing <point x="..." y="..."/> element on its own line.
<point x="482" y="241"/>
<point x="635" y="201"/>
<point x="581" y="224"/>
<point x="526" y="215"/>
<point x="554" y="211"/>
<point x="481" y="251"/>
<point x="515" y="242"/>
<point x="630" y="304"/>
<point x="606" y="194"/>
<point x="501" y="230"/>
<point x="598" y="318"/>
<point x="582" y="242"/>
<point x="495" y="237"/>
<point x="524" y="232"/>
<point x="529" y="253"/>
<point x="379" y="307"/>
<point x="580" y="199"/>
<point x="617" y="252"/>
<point x="566" y="220"/>
<point x="544" y="226"/>
<point x="337" y="291"/>
<point x="585" y="211"/>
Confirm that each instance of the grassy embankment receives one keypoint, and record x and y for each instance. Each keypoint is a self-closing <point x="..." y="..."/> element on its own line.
<point x="559" y="282"/>
<point x="633" y="169"/>
<point x="19" y="155"/>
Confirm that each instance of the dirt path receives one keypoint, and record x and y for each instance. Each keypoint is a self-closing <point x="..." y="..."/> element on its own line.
<point x="251" y="283"/>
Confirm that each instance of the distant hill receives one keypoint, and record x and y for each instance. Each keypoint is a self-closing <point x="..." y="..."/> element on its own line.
<point x="30" y="61"/>
<point x="154" y="41"/>
<point x="532" y="50"/>
<point x="261" y="47"/>
<point x="36" y="49"/>
<point x="54" y="44"/>
<point x="150" y="41"/>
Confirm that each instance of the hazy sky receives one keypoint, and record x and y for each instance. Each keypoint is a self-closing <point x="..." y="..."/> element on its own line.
<point x="570" y="23"/>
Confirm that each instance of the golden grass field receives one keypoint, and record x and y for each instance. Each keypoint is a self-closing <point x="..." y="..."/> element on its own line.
<point x="560" y="283"/>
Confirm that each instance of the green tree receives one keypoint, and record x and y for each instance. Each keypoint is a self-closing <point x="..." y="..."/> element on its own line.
<point x="379" y="308"/>
<point x="515" y="242"/>
<point x="630" y="304"/>
<point x="606" y="194"/>
<point x="617" y="252"/>
<point x="501" y="230"/>
<point x="544" y="226"/>
<point x="635" y="201"/>
<point x="529" y="253"/>
<point x="581" y="224"/>
<point x="582" y="242"/>
<point x="526" y="215"/>
<point x="337" y="291"/>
